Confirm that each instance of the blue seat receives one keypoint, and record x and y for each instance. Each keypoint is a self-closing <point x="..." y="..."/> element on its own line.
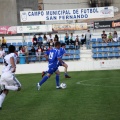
<point x="14" y="43"/>
<point x="94" y="45"/>
<point x="105" y="49"/>
<point x="30" y="44"/>
<point x="100" y="55"/>
<point x="117" y="55"/>
<point x="100" y="50"/>
<point x="67" y="47"/>
<point x="77" y="57"/>
<point x="8" y="44"/>
<point x="116" y="49"/>
<point x="24" y="43"/>
<point x="72" y="52"/>
<point x="77" y="52"/>
<point x="99" y="39"/>
<point x="93" y="40"/>
<point x="111" y="55"/>
<point x="67" y="51"/>
<point x="94" y="50"/>
<point x="110" y="44"/>
<point x="43" y="59"/>
<point x="29" y="48"/>
<point x="65" y="58"/>
<point x="71" y="47"/>
<point x="1" y="60"/>
<point x="19" y="44"/>
<point x="105" y="55"/>
<point x="104" y="45"/>
<point x="115" y="44"/>
<point x="94" y="56"/>
<point x="110" y="49"/>
<point x="99" y="45"/>
<point x="6" y="49"/>
<point x="71" y="57"/>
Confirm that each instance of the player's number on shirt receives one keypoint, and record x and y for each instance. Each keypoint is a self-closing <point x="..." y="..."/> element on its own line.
<point x="51" y="55"/>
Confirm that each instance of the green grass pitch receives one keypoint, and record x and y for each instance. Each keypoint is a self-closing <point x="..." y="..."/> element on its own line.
<point x="90" y="95"/>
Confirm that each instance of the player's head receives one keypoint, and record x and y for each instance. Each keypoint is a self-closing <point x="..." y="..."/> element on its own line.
<point x="11" y="49"/>
<point x="57" y="45"/>
<point x="63" y="45"/>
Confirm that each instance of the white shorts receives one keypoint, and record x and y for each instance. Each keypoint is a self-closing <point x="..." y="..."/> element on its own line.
<point x="9" y="79"/>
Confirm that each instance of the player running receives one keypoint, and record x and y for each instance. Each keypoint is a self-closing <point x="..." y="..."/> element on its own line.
<point x="8" y="80"/>
<point x="62" y="53"/>
<point x="53" y="57"/>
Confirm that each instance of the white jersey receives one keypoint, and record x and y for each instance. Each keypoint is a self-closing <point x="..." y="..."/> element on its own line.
<point x="8" y="66"/>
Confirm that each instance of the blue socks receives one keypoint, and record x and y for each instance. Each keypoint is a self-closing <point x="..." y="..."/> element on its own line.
<point x="43" y="80"/>
<point x="57" y="80"/>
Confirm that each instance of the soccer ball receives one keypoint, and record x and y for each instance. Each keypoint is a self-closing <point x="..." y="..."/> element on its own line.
<point x="63" y="85"/>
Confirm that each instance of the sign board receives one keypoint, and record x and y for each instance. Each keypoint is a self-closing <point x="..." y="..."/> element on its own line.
<point x="34" y="28"/>
<point x="66" y="14"/>
<point x="74" y="26"/>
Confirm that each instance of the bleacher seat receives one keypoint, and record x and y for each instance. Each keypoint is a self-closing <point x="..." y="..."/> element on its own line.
<point x="93" y="40"/>
<point x="24" y="43"/>
<point x="94" y="56"/>
<point x="67" y="47"/>
<point x="1" y="60"/>
<point x="71" y="57"/>
<point x="104" y="45"/>
<point x="77" y="57"/>
<point x="71" y="47"/>
<point x="6" y="50"/>
<point x="19" y="44"/>
<point x="105" y="50"/>
<point x="14" y="43"/>
<point x="116" y="49"/>
<point x="99" y="45"/>
<point x="105" y="55"/>
<point x="110" y="44"/>
<point x="65" y="58"/>
<point x="115" y="44"/>
<point x="94" y="50"/>
<point x="117" y="55"/>
<point x="8" y="44"/>
<point x="94" y="45"/>
<point x="110" y="49"/>
<point x="99" y="39"/>
<point x="100" y="55"/>
<point x="100" y="50"/>
<point x="111" y="55"/>
<point x="77" y="52"/>
<point x="30" y="44"/>
<point x="72" y="52"/>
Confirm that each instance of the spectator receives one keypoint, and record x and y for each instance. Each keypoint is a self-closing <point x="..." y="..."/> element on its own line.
<point x="4" y="42"/>
<point x="82" y="39"/>
<point x="49" y="39"/>
<point x="88" y="38"/>
<point x="115" y="36"/>
<point x="26" y="53"/>
<point x="40" y="40"/>
<point x="77" y="42"/>
<point x="21" y="51"/>
<point x="66" y="38"/>
<point x="56" y="38"/>
<point x="2" y="52"/>
<point x="34" y="40"/>
<point x="44" y="48"/>
<point x="45" y="40"/>
<point x="72" y="41"/>
<point x="33" y="50"/>
<point x="110" y="37"/>
<point x="51" y="43"/>
<point x="104" y="37"/>
<point x="39" y="51"/>
<point x="51" y="47"/>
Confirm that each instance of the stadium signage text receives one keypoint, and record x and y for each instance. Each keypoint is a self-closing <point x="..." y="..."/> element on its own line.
<point x="68" y="14"/>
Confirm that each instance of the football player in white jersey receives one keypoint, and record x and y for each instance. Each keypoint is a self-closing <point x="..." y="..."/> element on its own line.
<point x="8" y="80"/>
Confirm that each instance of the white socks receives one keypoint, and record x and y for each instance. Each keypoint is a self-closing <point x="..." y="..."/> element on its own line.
<point x="14" y="88"/>
<point x="2" y="97"/>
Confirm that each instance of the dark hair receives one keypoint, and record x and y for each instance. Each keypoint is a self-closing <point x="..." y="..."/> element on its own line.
<point x="57" y="44"/>
<point x="11" y="49"/>
<point x="63" y="44"/>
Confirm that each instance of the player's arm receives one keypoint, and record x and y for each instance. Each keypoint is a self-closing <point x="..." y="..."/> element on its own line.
<point x="12" y="61"/>
<point x="66" y="54"/>
<point x="46" y="55"/>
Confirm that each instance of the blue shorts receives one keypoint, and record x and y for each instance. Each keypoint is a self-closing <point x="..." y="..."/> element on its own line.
<point x="60" y="64"/>
<point x="52" y="70"/>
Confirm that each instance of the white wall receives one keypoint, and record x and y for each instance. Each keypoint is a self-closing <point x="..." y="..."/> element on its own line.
<point x="73" y="66"/>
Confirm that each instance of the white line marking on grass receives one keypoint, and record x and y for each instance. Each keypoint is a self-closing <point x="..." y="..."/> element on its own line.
<point x="85" y="84"/>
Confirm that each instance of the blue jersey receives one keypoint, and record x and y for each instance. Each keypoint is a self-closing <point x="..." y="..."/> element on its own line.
<point x="62" y="52"/>
<point x="53" y="56"/>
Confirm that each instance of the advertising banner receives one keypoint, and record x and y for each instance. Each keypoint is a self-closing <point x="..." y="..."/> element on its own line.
<point x="8" y="30"/>
<point x="34" y="28"/>
<point x="66" y="14"/>
<point x="102" y="24"/>
<point x="75" y="26"/>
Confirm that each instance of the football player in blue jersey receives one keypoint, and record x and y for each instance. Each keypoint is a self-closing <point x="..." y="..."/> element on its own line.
<point x="62" y="53"/>
<point x="53" y="56"/>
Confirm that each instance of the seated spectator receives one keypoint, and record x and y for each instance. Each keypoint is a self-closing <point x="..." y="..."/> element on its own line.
<point x="40" y="40"/>
<point x="77" y="42"/>
<point x="44" y="48"/>
<point x="45" y="40"/>
<point x="34" y="40"/>
<point x="2" y="52"/>
<point x="82" y="39"/>
<point x="39" y="51"/>
<point x="51" y="43"/>
<point x="50" y="48"/>
<point x="56" y="38"/>
<point x="66" y="38"/>
<point x="4" y="42"/>
<point x="115" y="36"/>
<point x="49" y="39"/>
<point x="110" y="37"/>
<point x="21" y="51"/>
<point x="71" y="40"/>
<point x="33" y="50"/>
<point x="104" y="37"/>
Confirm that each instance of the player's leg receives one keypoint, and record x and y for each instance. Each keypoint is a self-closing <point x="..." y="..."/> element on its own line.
<point x="66" y="67"/>
<point x="43" y="73"/>
<point x="2" y="97"/>
<point x="57" y="79"/>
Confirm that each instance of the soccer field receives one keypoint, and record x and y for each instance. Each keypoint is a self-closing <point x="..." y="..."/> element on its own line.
<point x="90" y="95"/>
